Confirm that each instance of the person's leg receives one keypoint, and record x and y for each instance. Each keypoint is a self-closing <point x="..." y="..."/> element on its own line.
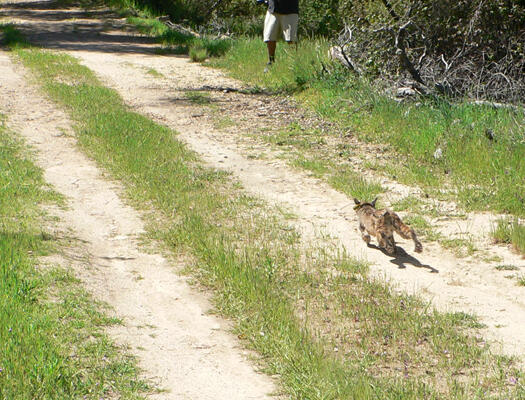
<point x="290" y="22"/>
<point x="271" y="45"/>
<point x="270" y="34"/>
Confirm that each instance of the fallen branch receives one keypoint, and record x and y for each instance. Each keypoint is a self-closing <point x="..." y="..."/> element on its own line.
<point x="497" y="105"/>
<point x="177" y="27"/>
<point x="338" y="53"/>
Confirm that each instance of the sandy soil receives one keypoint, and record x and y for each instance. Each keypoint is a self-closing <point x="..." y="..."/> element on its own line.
<point x="124" y="62"/>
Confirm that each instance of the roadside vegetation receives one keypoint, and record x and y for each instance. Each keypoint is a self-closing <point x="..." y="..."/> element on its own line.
<point x="317" y="319"/>
<point x="473" y="150"/>
<point x="52" y="340"/>
<point x="510" y="231"/>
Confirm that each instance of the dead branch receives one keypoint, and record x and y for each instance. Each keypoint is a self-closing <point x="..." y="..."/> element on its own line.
<point x="339" y="52"/>
<point x="401" y="53"/>
<point x="390" y="10"/>
<point x="177" y="27"/>
<point x="462" y="66"/>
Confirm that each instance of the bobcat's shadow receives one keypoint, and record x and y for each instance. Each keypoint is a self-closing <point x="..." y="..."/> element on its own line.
<point x="402" y="258"/>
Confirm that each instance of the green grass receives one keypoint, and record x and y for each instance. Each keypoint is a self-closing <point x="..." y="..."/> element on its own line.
<point x="198" y="54"/>
<point x="486" y="174"/>
<point x="306" y="150"/>
<point x="296" y="68"/>
<point x="200" y="98"/>
<point x="510" y="231"/>
<point x="153" y="72"/>
<point x="318" y="322"/>
<point x="462" y="247"/>
<point x="199" y="48"/>
<point x="12" y="36"/>
<point x="408" y="203"/>
<point x="52" y="340"/>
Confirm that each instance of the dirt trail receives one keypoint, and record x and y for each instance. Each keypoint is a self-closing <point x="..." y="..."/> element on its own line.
<point x="468" y="285"/>
<point x="181" y="348"/>
<point x="125" y="62"/>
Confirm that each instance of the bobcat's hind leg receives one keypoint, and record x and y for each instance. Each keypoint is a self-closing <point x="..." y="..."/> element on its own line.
<point x="364" y="234"/>
<point x="418" y="247"/>
<point x="387" y="242"/>
<point x="407" y="232"/>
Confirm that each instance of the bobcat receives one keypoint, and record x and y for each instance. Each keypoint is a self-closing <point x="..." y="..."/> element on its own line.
<point x="382" y="224"/>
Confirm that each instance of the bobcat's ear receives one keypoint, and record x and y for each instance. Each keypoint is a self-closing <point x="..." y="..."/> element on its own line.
<point x="374" y="202"/>
<point x="356" y="201"/>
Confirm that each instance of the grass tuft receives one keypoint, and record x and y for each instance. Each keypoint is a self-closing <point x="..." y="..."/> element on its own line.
<point x="12" y="36"/>
<point x="198" y="48"/>
<point x="504" y="267"/>
<point x="510" y="231"/>
<point x="198" y="54"/>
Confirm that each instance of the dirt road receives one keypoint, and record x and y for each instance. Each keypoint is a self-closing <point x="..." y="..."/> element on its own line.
<point x="186" y="352"/>
<point x="124" y="62"/>
<point x="466" y="284"/>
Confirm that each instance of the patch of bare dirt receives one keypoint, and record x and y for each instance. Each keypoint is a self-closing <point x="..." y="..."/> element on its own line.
<point x="469" y="284"/>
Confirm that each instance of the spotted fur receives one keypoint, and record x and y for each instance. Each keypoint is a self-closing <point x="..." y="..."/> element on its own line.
<point x="381" y="224"/>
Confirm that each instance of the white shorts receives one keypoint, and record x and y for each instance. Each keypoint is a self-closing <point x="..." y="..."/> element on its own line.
<point x="274" y="24"/>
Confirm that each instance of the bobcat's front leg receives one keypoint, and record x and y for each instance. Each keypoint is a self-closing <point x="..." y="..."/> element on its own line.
<point x="364" y="234"/>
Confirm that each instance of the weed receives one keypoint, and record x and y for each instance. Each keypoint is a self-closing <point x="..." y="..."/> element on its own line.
<point x="408" y="203"/>
<point x="213" y="47"/>
<point x="12" y="36"/>
<point x="351" y="183"/>
<point x="224" y="122"/>
<point x="317" y="168"/>
<point x="461" y="247"/>
<point x="510" y="231"/>
<point x="505" y="267"/>
<point x="198" y="54"/>
<point x="200" y="98"/>
<point x="154" y="72"/>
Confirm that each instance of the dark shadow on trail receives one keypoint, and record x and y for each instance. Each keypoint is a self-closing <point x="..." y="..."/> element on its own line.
<point x="193" y="95"/>
<point x="51" y="11"/>
<point x="70" y="29"/>
<point x="402" y="258"/>
<point x="42" y="4"/>
<point x="229" y="89"/>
